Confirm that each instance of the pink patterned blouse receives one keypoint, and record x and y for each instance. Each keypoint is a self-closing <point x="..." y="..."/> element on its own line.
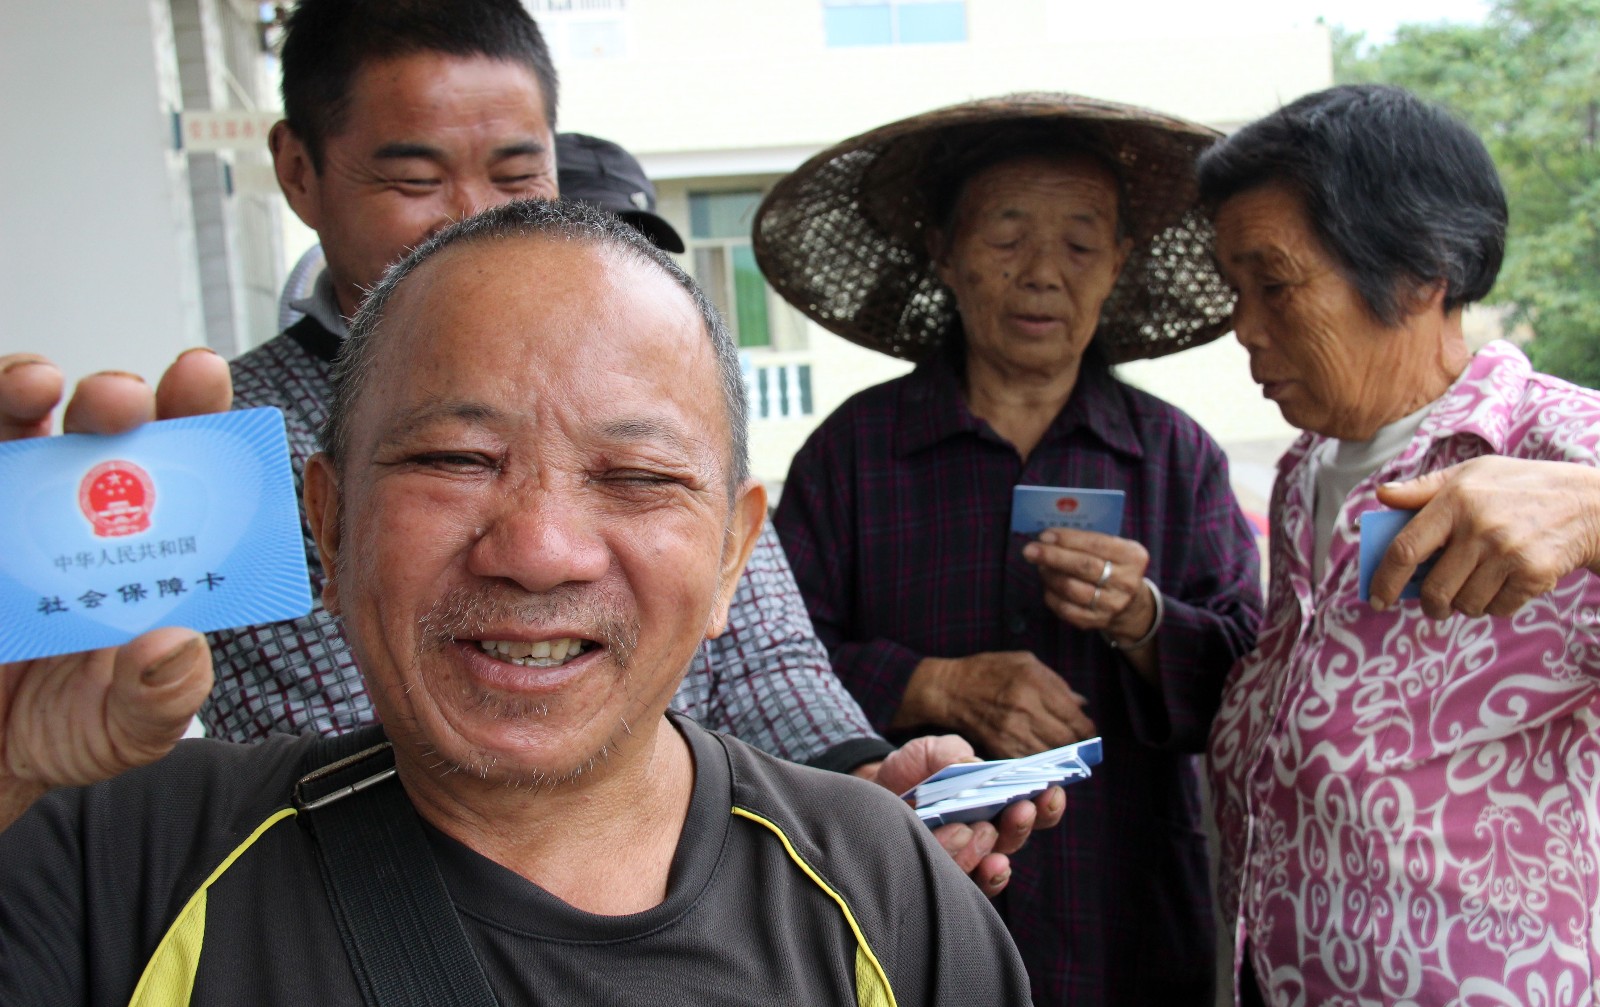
<point x="1410" y="809"/>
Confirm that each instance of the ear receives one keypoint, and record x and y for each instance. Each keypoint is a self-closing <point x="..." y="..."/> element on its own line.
<point x="1427" y="299"/>
<point x="322" y="506"/>
<point x="297" y="175"/>
<point x="744" y="527"/>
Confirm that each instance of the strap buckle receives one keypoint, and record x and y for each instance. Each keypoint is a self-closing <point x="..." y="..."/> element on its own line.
<point x="309" y="792"/>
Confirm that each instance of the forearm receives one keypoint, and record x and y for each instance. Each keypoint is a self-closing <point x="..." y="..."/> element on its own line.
<point x="922" y="701"/>
<point x="878" y="674"/>
<point x="1138" y="638"/>
<point x="1197" y="646"/>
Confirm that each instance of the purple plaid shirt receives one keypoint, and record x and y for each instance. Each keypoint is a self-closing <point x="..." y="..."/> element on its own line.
<point x="896" y="520"/>
<point x="766" y="680"/>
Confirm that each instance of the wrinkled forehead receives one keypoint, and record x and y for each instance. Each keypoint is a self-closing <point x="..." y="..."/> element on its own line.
<point x="1080" y="179"/>
<point x="534" y="323"/>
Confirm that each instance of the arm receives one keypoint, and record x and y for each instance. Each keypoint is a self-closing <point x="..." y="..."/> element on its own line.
<point x="1508" y="528"/>
<point x="79" y="718"/>
<point x="1210" y="603"/>
<point x="1210" y="579"/>
<point x="1010" y="703"/>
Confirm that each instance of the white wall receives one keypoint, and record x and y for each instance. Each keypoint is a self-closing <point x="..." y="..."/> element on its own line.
<point x="736" y="74"/>
<point x="96" y="243"/>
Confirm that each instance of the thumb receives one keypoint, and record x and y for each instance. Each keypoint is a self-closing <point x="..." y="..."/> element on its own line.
<point x="1412" y="494"/>
<point x="158" y="684"/>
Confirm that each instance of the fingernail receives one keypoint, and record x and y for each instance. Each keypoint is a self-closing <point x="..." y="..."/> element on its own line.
<point x="118" y="374"/>
<point x="1377" y="605"/>
<point x="170" y="667"/>
<point x="1049" y="538"/>
<point x="27" y="362"/>
<point x="198" y="349"/>
<point x="1030" y="551"/>
<point x="1000" y="879"/>
<point x="962" y="836"/>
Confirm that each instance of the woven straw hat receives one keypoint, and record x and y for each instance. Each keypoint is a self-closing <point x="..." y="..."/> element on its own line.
<point x="843" y="237"/>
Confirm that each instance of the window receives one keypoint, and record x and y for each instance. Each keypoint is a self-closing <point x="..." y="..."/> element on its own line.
<point x="725" y="264"/>
<point x="893" y="22"/>
<point x="776" y="390"/>
<point x="578" y="30"/>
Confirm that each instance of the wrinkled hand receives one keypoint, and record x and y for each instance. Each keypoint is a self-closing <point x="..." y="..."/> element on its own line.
<point x="1009" y="702"/>
<point x="79" y="718"/>
<point x="1094" y="581"/>
<point x="979" y="849"/>
<point x="1509" y="529"/>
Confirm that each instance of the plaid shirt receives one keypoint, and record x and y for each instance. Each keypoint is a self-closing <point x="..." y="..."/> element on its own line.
<point x="896" y="517"/>
<point x="766" y="680"/>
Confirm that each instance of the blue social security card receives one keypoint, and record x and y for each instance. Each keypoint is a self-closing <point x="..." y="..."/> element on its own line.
<point x="190" y="522"/>
<point x="1378" y="529"/>
<point x="1037" y="508"/>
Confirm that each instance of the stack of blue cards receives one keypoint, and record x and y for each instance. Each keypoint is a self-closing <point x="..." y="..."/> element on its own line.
<point x="189" y="522"/>
<point x="1039" y="508"/>
<point x="978" y="791"/>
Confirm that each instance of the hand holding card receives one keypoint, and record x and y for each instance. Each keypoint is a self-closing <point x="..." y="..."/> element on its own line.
<point x="87" y="716"/>
<point x="1039" y="508"/>
<point x="187" y="522"/>
<point x="1378" y="530"/>
<point x="978" y="791"/>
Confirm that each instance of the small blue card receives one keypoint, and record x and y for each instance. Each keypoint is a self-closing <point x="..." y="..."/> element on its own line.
<point x="190" y="522"/>
<point x="1378" y="529"/>
<point x="1037" y="508"/>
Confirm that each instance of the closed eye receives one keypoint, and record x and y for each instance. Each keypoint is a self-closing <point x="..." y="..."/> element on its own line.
<point x="415" y="183"/>
<point x="453" y="461"/>
<point x="642" y="477"/>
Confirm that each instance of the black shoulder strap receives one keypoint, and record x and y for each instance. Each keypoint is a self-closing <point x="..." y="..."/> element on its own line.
<point x="401" y="931"/>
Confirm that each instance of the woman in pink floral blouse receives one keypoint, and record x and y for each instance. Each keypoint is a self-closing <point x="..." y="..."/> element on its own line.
<point x="1408" y="791"/>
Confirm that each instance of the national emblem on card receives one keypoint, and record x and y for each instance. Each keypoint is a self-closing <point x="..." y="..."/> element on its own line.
<point x="117" y="498"/>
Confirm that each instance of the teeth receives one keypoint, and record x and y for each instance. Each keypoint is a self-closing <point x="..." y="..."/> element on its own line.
<point x="544" y="654"/>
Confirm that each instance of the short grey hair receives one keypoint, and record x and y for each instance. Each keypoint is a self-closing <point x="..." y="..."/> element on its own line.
<point x="549" y="221"/>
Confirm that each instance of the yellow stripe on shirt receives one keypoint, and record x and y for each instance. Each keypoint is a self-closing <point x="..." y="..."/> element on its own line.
<point x="168" y="979"/>
<point x="872" y="985"/>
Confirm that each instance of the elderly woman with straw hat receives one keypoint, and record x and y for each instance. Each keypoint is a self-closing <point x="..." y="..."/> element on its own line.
<point x="1014" y="249"/>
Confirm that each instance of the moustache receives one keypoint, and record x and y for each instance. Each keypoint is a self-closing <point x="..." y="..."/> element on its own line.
<point x="472" y="613"/>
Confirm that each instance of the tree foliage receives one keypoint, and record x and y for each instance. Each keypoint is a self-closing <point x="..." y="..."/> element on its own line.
<point x="1528" y="80"/>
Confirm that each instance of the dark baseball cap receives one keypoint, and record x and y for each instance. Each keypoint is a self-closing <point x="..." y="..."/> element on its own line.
<point x="600" y="173"/>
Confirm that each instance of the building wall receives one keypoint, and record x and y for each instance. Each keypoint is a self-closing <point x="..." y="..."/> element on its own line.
<point x="97" y="261"/>
<point x="236" y="227"/>
<point x="720" y="75"/>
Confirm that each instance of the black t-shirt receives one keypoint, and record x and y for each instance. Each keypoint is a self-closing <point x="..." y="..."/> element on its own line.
<point x="92" y="880"/>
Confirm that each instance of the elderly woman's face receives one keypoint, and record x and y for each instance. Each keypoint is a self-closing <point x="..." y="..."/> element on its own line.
<point x="1032" y="255"/>
<point x="1315" y="349"/>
